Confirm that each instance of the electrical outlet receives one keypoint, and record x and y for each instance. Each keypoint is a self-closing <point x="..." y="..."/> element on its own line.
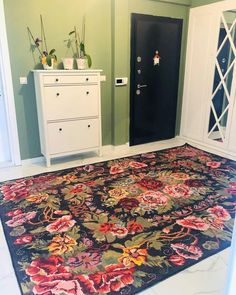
<point x="23" y="80"/>
<point x="103" y="78"/>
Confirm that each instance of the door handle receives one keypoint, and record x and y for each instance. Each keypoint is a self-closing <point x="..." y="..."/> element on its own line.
<point x="141" y="86"/>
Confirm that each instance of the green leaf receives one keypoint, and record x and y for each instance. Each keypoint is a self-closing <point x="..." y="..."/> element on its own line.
<point x="72" y="32"/>
<point x="64" y="212"/>
<point x="156" y="245"/>
<point x="23" y="265"/>
<point x="82" y="47"/>
<point x="220" y="234"/>
<point x="69" y="196"/>
<point x="211" y="245"/>
<point x="38" y="230"/>
<point x="27" y="287"/>
<point x="91" y="225"/>
<point x="137" y="282"/>
<point x="110" y="257"/>
<point x="89" y="60"/>
<point x="49" y="60"/>
<point x="99" y="236"/>
<point x="167" y="207"/>
<point x="140" y="274"/>
<point x="110" y="238"/>
<point x="39" y="245"/>
<point x="52" y="51"/>
<point x="74" y="232"/>
<point x="155" y="261"/>
<point x="137" y="240"/>
<point x="230" y="224"/>
<point x="227" y="203"/>
<point x="103" y="218"/>
<point x="144" y="222"/>
<point x="117" y="245"/>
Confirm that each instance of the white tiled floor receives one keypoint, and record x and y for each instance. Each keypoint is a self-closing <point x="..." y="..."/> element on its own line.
<point x="207" y="277"/>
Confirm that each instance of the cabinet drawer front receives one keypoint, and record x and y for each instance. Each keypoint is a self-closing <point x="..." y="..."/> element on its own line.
<point x="69" y="79"/>
<point x="73" y="135"/>
<point x="65" y="102"/>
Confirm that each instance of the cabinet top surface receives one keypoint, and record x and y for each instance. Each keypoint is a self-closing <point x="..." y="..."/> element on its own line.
<point x="67" y="71"/>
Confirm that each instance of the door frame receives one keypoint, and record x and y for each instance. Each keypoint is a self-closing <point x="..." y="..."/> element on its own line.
<point x="8" y="94"/>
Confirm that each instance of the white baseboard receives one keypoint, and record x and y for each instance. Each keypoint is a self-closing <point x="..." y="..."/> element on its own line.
<point x="120" y="149"/>
<point x="105" y="149"/>
<point x="32" y="161"/>
<point x="110" y="148"/>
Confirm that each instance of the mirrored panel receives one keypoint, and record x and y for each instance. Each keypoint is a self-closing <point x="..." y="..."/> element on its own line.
<point x="224" y="68"/>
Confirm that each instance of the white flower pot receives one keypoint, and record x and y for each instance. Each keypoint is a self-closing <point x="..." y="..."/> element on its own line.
<point x="82" y="63"/>
<point x="47" y="67"/>
<point x="68" y="63"/>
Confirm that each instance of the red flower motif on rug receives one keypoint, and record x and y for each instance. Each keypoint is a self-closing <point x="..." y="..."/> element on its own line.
<point x="220" y="213"/>
<point x="25" y="239"/>
<point x="177" y="191"/>
<point x="193" y="223"/>
<point x="153" y="199"/>
<point x="20" y="219"/>
<point x="113" y="279"/>
<point x="187" y="252"/>
<point x="177" y="260"/>
<point x="62" y="224"/>
<point x="51" y="277"/>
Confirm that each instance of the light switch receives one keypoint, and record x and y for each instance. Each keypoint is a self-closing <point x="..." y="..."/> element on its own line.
<point x="121" y="81"/>
<point x="23" y="80"/>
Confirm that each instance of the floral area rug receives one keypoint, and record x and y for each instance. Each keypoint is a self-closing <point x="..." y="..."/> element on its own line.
<point x="120" y="226"/>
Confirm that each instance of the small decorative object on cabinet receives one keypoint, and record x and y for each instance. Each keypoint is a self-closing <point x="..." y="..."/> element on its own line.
<point x="83" y="59"/>
<point x="69" y="112"/>
<point x="47" y="57"/>
<point x="68" y="63"/>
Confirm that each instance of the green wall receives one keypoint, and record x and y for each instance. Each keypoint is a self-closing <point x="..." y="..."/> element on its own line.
<point x="107" y="41"/>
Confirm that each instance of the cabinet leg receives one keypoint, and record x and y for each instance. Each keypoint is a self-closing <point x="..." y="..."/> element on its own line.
<point x="100" y="152"/>
<point x="48" y="162"/>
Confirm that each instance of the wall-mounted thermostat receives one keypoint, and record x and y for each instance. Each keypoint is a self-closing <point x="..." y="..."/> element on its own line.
<point x="121" y="81"/>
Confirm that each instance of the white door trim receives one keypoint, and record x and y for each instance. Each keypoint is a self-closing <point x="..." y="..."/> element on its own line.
<point x="8" y="90"/>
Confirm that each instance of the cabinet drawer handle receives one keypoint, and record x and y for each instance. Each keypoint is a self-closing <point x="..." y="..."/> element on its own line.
<point x="89" y="126"/>
<point x="60" y="129"/>
<point x="58" y="93"/>
<point x="87" y="92"/>
<point x="57" y="79"/>
<point x="87" y="79"/>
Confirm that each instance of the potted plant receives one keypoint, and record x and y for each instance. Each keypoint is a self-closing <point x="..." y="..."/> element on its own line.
<point x="83" y="60"/>
<point x="47" y="58"/>
<point x="68" y="61"/>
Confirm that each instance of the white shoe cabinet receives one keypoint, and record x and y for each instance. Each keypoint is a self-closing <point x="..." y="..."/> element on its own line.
<point x="69" y="112"/>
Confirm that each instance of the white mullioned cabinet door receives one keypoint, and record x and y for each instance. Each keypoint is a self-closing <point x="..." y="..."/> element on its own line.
<point x="209" y="107"/>
<point x="223" y="87"/>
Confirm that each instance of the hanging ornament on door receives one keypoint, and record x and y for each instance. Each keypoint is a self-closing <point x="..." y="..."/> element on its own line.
<point x="156" y="58"/>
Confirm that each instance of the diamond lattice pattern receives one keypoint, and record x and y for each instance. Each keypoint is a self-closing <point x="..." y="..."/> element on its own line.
<point x="225" y="63"/>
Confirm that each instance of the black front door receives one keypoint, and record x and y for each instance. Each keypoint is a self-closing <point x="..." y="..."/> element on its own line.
<point x="155" y="56"/>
